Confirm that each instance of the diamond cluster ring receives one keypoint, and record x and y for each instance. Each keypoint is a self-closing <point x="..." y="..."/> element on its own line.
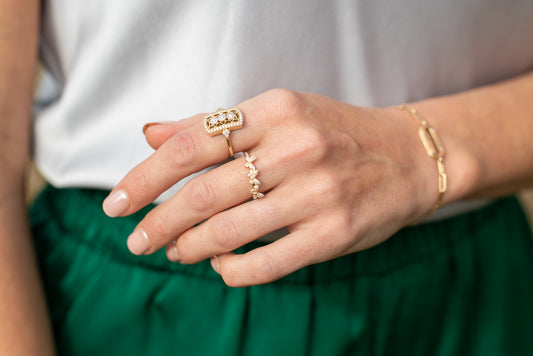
<point x="222" y="122"/>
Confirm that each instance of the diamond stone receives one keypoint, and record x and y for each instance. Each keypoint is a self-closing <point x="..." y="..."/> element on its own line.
<point x="213" y="120"/>
<point x="226" y="132"/>
<point x="231" y="115"/>
<point x="221" y="117"/>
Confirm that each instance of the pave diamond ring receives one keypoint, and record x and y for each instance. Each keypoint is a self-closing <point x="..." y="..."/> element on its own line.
<point x="222" y="122"/>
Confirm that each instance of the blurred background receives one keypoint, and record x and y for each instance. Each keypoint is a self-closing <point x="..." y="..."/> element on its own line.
<point x="527" y="200"/>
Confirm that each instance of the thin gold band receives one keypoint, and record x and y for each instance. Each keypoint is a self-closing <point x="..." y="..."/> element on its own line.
<point x="435" y="150"/>
<point x="230" y="148"/>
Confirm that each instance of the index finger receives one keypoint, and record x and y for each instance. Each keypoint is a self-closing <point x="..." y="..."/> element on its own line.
<point x="187" y="152"/>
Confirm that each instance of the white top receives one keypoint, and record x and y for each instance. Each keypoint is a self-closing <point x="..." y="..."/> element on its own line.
<point x="118" y="64"/>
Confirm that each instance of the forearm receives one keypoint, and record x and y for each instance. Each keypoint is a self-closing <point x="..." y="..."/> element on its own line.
<point x="18" y="44"/>
<point x="24" y="326"/>
<point x="487" y="135"/>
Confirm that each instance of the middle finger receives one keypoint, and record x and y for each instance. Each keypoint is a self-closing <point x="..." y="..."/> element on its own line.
<point x="201" y="198"/>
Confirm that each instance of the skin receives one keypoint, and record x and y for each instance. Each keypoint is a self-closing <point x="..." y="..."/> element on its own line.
<point x="341" y="178"/>
<point x="24" y="324"/>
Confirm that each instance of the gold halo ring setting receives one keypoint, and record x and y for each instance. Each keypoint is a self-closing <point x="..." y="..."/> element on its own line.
<point x="223" y="121"/>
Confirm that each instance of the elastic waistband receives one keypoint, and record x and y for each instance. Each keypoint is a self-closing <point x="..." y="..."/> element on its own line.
<point x="78" y="216"/>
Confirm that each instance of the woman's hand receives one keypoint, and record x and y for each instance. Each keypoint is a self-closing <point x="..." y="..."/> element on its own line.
<point x="340" y="178"/>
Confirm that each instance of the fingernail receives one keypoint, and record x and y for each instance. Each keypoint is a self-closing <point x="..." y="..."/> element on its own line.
<point x="146" y="126"/>
<point x="215" y="263"/>
<point x="172" y="252"/>
<point x="116" y="204"/>
<point x="138" y="242"/>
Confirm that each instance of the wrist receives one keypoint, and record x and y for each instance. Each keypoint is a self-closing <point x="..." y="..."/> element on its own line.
<point x="421" y="179"/>
<point x="463" y="167"/>
<point x="434" y="149"/>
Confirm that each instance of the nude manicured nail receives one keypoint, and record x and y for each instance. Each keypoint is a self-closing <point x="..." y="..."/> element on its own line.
<point x="116" y="204"/>
<point x="172" y="252"/>
<point x="138" y="242"/>
<point x="145" y="127"/>
<point x="215" y="263"/>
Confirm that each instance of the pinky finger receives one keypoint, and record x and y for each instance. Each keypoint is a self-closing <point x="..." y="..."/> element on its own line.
<point x="271" y="262"/>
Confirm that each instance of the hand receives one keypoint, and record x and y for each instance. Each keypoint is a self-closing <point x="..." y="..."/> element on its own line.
<point x="340" y="178"/>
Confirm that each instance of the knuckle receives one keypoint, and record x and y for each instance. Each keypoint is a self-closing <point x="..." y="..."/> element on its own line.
<point x="183" y="148"/>
<point x="156" y="227"/>
<point x="263" y="269"/>
<point x="291" y="101"/>
<point x="319" y="144"/>
<point x="143" y="179"/>
<point x="227" y="232"/>
<point x="201" y="194"/>
<point x="284" y="104"/>
<point x="330" y="187"/>
<point x="230" y="276"/>
<point x="312" y="145"/>
<point x="186" y="253"/>
<point x="345" y="222"/>
<point x="340" y="225"/>
<point x="333" y="186"/>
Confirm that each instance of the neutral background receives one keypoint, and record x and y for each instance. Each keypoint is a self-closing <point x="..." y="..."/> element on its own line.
<point x="35" y="184"/>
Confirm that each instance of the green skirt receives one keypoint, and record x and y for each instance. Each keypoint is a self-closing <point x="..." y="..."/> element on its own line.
<point x="461" y="286"/>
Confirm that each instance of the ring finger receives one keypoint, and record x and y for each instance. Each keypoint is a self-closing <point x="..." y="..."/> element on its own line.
<point x="235" y="227"/>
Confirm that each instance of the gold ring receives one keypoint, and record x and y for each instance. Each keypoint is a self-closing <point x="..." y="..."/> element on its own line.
<point x="222" y="122"/>
<point x="255" y="183"/>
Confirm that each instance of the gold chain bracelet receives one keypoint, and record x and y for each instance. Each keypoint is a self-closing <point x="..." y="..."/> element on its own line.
<point x="434" y="149"/>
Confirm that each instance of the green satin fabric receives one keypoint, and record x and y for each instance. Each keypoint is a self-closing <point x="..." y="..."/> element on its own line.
<point x="462" y="286"/>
